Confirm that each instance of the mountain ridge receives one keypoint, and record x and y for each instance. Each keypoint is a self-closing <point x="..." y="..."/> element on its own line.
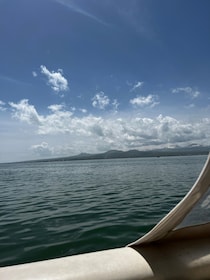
<point x="113" y="154"/>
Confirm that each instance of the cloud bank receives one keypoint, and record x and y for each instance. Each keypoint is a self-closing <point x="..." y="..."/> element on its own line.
<point x="42" y="150"/>
<point x="96" y="133"/>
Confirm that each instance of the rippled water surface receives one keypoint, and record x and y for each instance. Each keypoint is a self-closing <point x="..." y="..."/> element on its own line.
<point x="54" y="209"/>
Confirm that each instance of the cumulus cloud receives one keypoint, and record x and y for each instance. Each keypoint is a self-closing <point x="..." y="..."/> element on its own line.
<point x="25" y="112"/>
<point x="42" y="149"/>
<point x="91" y="133"/>
<point x="137" y="86"/>
<point x="2" y="104"/>
<point x="187" y="90"/>
<point x="142" y="101"/>
<point x="56" y="80"/>
<point x="100" y="100"/>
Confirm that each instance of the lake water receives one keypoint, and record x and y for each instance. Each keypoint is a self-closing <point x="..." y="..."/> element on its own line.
<point x="62" y="208"/>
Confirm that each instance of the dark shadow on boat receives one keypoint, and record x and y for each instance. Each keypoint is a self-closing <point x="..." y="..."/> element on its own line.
<point x="183" y="254"/>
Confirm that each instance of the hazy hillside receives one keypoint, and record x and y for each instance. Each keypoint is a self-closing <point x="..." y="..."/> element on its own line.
<point x="197" y="150"/>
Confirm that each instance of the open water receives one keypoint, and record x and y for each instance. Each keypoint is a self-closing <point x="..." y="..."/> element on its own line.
<point x="62" y="208"/>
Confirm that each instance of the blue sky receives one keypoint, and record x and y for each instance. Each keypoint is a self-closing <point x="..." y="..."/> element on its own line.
<point x="90" y="76"/>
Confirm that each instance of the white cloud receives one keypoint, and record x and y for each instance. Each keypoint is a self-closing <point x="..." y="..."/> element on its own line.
<point x="42" y="150"/>
<point x="136" y="86"/>
<point x="68" y="133"/>
<point x="187" y="90"/>
<point x="56" y="107"/>
<point x="25" y="112"/>
<point x="2" y="104"/>
<point x="115" y="105"/>
<point x="83" y="110"/>
<point x="56" y="80"/>
<point x="34" y="74"/>
<point x="142" y="101"/>
<point x="100" y="100"/>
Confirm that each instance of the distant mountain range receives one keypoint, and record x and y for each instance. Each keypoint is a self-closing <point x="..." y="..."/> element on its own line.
<point x="192" y="150"/>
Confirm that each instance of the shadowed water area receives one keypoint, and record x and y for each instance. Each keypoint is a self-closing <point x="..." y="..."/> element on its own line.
<point x="62" y="208"/>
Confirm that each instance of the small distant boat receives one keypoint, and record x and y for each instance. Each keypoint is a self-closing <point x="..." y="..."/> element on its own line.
<point x="178" y="247"/>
